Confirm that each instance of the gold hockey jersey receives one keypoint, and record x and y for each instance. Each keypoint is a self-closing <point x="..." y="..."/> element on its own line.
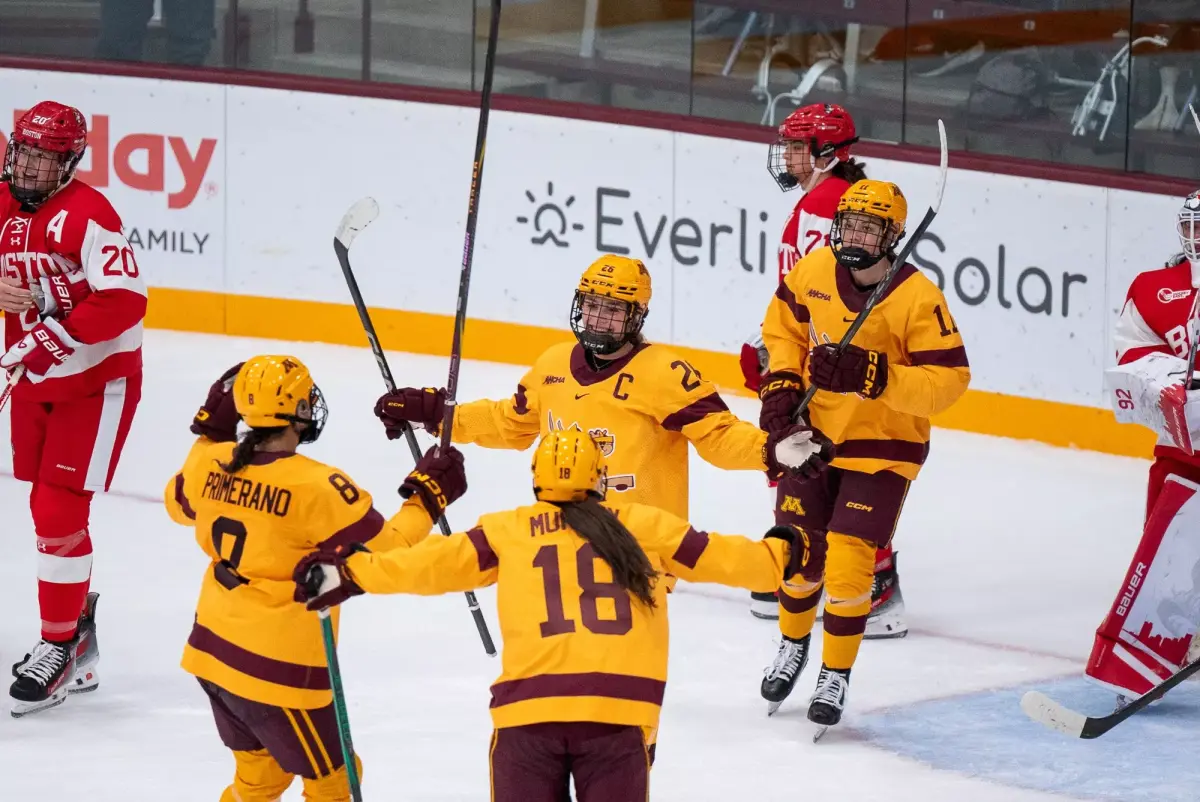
<point x="250" y="637"/>
<point x="577" y="647"/>
<point x="927" y="363"/>
<point x="643" y="409"/>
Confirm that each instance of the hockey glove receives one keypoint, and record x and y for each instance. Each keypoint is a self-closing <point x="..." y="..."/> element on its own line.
<point x="855" y="371"/>
<point x="439" y="480"/>
<point x="408" y="406"/>
<point x="754" y="360"/>
<point x="61" y="293"/>
<point x="807" y="552"/>
<point x="781" y="394"/>
<point x="218" y="417"/>
<point x="322" y="579"/>
<point x="798" y="450"/>
<point x="45" y="347"/>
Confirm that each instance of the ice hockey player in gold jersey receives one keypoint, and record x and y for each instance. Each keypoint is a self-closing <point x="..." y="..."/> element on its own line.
<point x="258" y="508"/>
<point x="582" y="615"/>
<point x="905" y="364"/>
<point x="641" y="402"/>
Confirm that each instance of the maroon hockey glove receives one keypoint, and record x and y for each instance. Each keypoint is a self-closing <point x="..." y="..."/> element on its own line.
<point x="217" y="418"/>
<point x="407" y="406"/>
<point x="797" y="450"/>
<point x="781" y="394"/>
<point x="322" y="580"/>
<point x="855" y="371"/>
<point x="45" y="347"/>
<point x="807" y="551"/>
<point x="439" y="480"/>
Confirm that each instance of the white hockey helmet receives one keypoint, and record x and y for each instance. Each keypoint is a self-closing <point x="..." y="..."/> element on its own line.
<point x="1188" y="227"/>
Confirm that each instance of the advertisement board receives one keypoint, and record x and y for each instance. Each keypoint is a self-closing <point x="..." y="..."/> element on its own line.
<point x="235" y="192"/>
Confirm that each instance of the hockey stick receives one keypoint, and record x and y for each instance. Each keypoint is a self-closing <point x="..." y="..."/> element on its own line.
<point x="1044" y="710"/>
<point x="464" y="282"/>
<point x="13" y="377"/>
<point x="361" y="215"/>
<point x="339" y="706"/>
<point x="897" y="263"/>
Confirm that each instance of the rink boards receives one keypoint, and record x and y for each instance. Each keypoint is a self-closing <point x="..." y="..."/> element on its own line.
<point x="231" y="195"/>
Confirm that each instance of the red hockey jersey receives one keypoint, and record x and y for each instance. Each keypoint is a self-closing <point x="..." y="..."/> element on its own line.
<point x="807" y="227"/>
<point x="805" y="230"/>
<point x="1154" y="320"/>
<point x="76" y="230"/>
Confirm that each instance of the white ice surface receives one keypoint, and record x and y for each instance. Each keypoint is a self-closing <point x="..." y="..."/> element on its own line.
<point x="1009" y="552"/>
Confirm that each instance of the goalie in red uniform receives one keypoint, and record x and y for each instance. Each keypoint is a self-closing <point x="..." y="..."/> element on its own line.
<point x="74" y="301"/>
<point x="1145" y="637"/>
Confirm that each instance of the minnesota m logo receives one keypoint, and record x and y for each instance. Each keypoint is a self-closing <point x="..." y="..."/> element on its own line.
<point x="791" y="504"/>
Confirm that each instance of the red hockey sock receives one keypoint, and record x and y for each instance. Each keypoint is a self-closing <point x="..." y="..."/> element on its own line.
<point x="64" y="557"/>
<point x="883" y="559"/>
<point x="64" y="575"/>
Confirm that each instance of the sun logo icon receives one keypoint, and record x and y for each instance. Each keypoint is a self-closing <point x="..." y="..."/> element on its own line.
<point x="549" y="219"/>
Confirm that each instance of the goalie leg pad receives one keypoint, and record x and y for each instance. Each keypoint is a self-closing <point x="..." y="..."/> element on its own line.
<point x="1144" y="638"/>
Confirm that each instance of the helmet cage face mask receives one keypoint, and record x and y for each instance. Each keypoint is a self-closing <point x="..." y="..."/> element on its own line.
<point x="859" y="240"/>
<point x="777" y="160"/>
<point x="313" y="413"/>
<point x="1188" y="227"/>
<point x="34" y="174"/>
<point x="604" y="325"/>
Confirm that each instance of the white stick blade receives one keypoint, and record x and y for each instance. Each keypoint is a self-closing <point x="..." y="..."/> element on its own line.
<point x="1044" y="710"/>
<point x="1195" y="117"/>
<point x="360" y="215"/>
<point x="943" y="164"/>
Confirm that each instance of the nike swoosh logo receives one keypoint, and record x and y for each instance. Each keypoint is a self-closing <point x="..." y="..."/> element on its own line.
<point x="580" y="395"/>
<point x="849" y="319"/>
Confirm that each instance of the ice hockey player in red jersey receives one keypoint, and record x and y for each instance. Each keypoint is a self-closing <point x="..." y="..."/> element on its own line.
<point x="813" y="152"/>
<point x="73" y="301"/>
<point x="1145" y="636"/>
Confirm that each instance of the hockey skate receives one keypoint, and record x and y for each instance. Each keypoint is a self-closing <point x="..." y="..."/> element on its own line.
<point x="780" y="677"/>
<point x="825" y="706"/>
<point x="51" y="671"/>
<point x="765" y="606"/>
<point x="886" y="619"/>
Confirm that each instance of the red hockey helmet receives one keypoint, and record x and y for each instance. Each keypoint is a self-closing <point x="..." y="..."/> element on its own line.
<point x="828" y="129"/>
<point x="43" y="151"/>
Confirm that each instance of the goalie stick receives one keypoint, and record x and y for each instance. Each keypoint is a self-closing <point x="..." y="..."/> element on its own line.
<point x="361" y="215"/>
<point x="1044" y="710"/>
<point x="897" y="263"/>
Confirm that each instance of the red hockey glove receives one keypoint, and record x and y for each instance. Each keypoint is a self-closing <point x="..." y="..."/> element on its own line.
<point x="797" y="450"/>
<point x="407" y="406"/>
<point x="62" y="293"/>
<point x="855" y="371"/>
<point x="45" y="347"/>
<point x="439" y="480"/>
<point x="218" y="417"/>
<point x="781" y="394"/>
<point x="322" y="580"/>
<point x="807" y="551"/>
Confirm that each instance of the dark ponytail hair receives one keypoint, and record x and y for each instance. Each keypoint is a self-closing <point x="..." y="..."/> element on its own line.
<point x="851" y="170"/>
<point x="615" y="544"/>
<point x="244" y="451"/>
